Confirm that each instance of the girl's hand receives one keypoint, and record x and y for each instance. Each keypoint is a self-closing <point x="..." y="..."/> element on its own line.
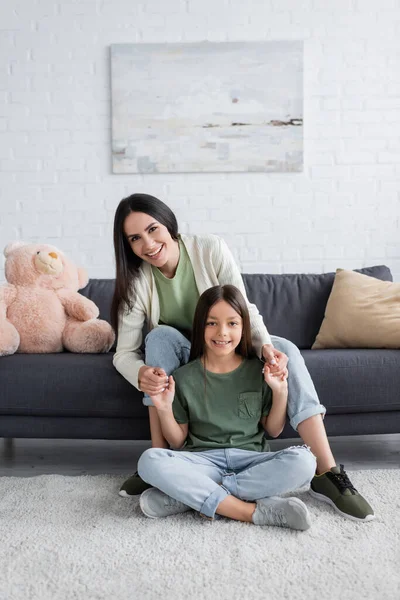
<point x="275" y="382"/>
<point x="275" y="359"/>
<point x="152" y="379"/>
<point x="164" y="399"/>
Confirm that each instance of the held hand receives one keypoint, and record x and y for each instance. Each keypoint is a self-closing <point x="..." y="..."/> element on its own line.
<point x="152" y="380"/>
<point x="163" y="401"/>
<point x="275" y="359"/>
<point x="275" y="382"/>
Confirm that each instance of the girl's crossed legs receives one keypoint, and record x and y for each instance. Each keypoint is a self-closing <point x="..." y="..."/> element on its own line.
<point x="225" y="481"/>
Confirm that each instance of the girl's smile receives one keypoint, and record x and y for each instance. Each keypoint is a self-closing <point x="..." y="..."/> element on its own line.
<point x="219" y="345"/>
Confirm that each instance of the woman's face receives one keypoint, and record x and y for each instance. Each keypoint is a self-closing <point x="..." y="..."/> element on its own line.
<point x="148" y="239"/>
<point x="223" y="330"/>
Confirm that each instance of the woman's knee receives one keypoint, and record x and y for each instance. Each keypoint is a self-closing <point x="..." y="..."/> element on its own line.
<point x="161" y="333"/>
<point x="166" y="347"/>
<point x="286" y="346"/>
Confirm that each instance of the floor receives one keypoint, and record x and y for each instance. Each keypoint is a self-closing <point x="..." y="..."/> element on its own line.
<point x="29" y="457"/>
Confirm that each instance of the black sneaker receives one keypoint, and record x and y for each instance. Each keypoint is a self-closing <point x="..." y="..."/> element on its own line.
<point x="133" y="486"/>
<point x="335" y="488"/>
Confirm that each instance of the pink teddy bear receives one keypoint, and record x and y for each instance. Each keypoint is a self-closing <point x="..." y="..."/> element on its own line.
<point x="41" y="310"/>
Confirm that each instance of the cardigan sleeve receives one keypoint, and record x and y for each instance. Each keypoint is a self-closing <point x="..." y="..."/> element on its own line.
<point x="228" y="273"/>
<point x="128" y="358"/>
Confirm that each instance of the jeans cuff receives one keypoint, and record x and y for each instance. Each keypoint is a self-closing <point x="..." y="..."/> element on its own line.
<point x="306" y="414"/>
<point x="210" y="505"/>
<point x="147" y="401"/>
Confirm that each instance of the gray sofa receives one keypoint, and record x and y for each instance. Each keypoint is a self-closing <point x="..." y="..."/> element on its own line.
<point x="83" y="396"/>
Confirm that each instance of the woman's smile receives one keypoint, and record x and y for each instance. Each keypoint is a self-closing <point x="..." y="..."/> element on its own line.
<point x="155" y="254"/>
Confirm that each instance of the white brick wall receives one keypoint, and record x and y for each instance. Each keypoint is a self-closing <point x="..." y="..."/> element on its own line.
<point x="55" y="166"/>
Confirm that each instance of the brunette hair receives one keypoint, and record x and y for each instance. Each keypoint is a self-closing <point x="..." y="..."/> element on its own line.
<point x="235" y="298"/>
<point x="127" y="264"/>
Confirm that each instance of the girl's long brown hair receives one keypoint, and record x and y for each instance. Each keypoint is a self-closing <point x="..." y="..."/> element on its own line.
<point x="126" y="262"/>
<point x="235" y="298"/>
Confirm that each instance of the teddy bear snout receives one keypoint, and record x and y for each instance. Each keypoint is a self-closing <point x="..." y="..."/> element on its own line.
<point x="48" y="263"/>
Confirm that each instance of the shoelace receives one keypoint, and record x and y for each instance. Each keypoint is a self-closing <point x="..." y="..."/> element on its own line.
<point x="171" y="501"/>
<point x="342" y="480"/>
<point x="275" y="517"/>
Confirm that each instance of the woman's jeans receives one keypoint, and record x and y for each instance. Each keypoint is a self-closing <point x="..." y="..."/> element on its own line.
<point x="202" y="480"/>
<point x="169" y="349"/>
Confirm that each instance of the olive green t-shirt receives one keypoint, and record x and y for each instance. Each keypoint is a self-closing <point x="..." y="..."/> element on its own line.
<point x="177" y="296"/>
<point x="223" y="409"/>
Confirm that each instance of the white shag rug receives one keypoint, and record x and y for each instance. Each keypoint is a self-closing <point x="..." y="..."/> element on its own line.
<point x="65" y="538"/>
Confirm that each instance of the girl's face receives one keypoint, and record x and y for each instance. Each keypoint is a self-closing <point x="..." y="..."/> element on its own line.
<point x="148" y="239"/>
<point x="223" y="330"/>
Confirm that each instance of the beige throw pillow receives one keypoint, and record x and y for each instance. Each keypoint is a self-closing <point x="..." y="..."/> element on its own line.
<point x="361" y="312"/>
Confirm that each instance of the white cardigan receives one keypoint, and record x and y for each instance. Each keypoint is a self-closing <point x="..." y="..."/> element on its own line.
<point x="213" y="264"/>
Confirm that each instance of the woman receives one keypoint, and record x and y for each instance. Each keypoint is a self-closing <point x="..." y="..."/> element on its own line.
<point x="160" y="276"/>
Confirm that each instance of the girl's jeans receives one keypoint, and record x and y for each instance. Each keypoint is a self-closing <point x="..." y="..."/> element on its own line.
<point x="168" y="348"/>
<point x="202" y="480"/>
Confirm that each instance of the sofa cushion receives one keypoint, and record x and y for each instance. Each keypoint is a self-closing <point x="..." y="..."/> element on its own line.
<point x="66" y="384"/>
<point x="355" y="381"/>
<point x="293" y="306"/>
<point x="362" y="312"/>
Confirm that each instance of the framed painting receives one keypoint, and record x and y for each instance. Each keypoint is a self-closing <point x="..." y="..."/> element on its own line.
<point x="207" y="107"/>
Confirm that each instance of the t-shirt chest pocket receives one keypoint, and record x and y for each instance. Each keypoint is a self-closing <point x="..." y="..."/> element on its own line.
<point x="249" y="405"/>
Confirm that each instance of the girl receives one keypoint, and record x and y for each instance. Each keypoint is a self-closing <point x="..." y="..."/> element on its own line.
<point x="221" y="406"/>
<point x="159" y="278"/>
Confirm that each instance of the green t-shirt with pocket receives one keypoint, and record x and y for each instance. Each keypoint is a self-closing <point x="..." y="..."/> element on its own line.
<point x="177" y="296"/>
<point x="223" y="409"/>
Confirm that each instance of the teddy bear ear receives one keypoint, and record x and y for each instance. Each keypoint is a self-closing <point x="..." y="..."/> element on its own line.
<point x="13" y="246"/>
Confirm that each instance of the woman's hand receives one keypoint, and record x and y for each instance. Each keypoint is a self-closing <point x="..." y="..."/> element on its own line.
<point x="163" y="401"/>
<point x="276" y="383"/>
<point x="152" y="380"/>
<point x="275" y="359"/>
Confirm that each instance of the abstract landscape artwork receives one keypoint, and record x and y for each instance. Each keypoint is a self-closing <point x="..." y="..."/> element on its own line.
<point x="207" y="107"/>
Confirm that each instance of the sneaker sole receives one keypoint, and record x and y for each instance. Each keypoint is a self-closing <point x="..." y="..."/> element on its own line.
<point x="124" y="494"/>
<point x="323" y="498"/>
<point x="143" y="495"/>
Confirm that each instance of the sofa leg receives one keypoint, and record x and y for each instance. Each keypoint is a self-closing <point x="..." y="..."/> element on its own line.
<point x="8" y="448"/>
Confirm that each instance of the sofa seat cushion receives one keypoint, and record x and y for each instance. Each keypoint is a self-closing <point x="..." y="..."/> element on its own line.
<point x="87" y="385"/>
<point x="353" y="381"/>
<point x="68" y="385"/>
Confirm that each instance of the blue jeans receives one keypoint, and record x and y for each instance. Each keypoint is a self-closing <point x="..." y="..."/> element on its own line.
<point x="167" y="348"/>
<point x="202" y="480"/>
